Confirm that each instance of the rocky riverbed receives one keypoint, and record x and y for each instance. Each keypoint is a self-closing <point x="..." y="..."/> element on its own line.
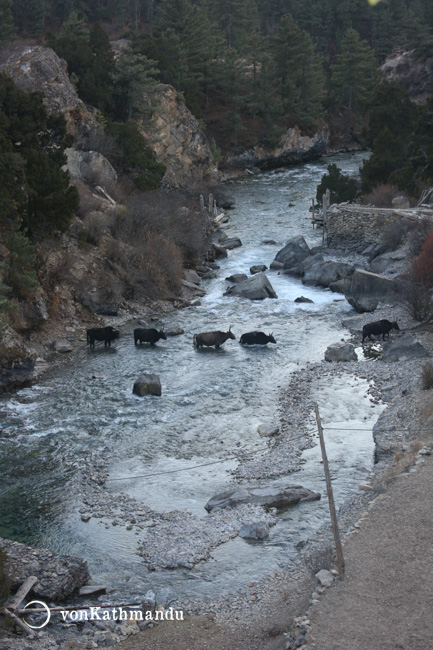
<point x="397" y="434"/>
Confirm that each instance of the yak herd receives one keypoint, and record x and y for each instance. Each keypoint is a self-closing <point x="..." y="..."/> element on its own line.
<point x="217" y="338"/>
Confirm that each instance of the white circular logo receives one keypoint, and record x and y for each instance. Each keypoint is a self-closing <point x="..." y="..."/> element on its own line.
<point x="45" y="606"/>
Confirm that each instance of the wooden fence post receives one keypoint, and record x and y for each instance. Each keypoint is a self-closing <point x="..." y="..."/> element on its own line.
<point x="335" y="530"/>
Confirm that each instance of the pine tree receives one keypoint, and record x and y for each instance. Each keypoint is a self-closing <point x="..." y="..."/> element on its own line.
<point x="234" y="79"/>
<point x="20" y="272"/>
<point x="300" y="74"/>
<point x="135" y="84"/>
<point x="353" y="75"/>
<point x="7" y="27"/>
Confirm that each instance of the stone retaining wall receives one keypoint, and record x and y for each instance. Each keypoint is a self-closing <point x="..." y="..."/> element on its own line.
<point x="357" y="227"/>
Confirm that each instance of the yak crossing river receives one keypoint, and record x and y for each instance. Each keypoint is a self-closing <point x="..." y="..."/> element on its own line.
<point x="173" y="453"/>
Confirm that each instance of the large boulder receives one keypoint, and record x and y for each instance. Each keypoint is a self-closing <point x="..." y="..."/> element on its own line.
<point x="271" y="497"/>
<point x="391" y="263"/>
<point x="293" y="252"/>
<point x="256" y="530"/>
<point x="325" y="272"/>
<point x="341" y="352"/>
<point x="17" y="361"/>
<point x="148" y="384"/>
<point x="405" y="347"/>
<point x="364" y="290"/>
<point x="90" y="167"/>
<point x="256" y="287"/>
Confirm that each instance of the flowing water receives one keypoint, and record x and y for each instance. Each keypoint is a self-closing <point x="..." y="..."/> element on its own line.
<point x="211" y="405"/>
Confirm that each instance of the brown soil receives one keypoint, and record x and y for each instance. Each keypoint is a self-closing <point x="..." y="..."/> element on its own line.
<point x="385" y="598"/>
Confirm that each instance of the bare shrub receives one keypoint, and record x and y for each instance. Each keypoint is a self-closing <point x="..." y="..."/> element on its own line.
<point x="98" y="224"/>
<point x="89" y="202"/>
<point x="382" y="196"/>
<point x="415" y="297"/>
<point x="161" y="263"/>
<point x="320" y="558"/>
<point x="427" y="375"/>
<point x="393" y="234"/>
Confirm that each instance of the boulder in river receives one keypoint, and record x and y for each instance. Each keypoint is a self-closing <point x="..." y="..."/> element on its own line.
<point x="278" y="497"/>
<point x="148" y="384"/>
<point x="256" y="287"/>
<point x="237" y="277"/>
<point x="230" y="243"/>
<point x="293" y="252"/>
<point x="258" y="268"/>
<point x="341" y="352"/>
<point x="325" y="272"/>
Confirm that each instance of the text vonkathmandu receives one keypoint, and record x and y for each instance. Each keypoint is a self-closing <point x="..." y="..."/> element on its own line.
<point x="121" y="614"/>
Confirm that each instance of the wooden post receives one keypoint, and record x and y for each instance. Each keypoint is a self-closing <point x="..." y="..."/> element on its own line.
<point x="335" y="530"/>
<point x="313" y="212"/>
<point x="201" y="203"/>
<point x="210" y="203"/>
<point x="325" y="198"/>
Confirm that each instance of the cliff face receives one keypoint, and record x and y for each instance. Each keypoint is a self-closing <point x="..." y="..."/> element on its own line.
<point x="416" y="76"/>
<point x="179" y="143"/>
<point x="295" y="148"/>
<point x="38" y="68"/>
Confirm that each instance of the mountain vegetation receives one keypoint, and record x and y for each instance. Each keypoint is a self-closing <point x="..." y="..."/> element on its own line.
<point x="248" y="69"/>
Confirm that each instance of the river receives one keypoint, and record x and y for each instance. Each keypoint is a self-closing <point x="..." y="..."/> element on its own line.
<point x="211" y="405"/>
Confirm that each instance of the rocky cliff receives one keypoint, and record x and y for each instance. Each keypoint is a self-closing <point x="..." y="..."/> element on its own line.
<point x="179" y="143"/>
<point x="416" y="76"/>
<point x="294" y="148"/>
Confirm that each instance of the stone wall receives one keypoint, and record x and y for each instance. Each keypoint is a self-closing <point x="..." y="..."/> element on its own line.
<point x="356" y="226"/>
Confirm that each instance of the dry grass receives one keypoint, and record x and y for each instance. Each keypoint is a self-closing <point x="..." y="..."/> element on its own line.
<point x="427" y="375"/>
<point x="382" y="196"/>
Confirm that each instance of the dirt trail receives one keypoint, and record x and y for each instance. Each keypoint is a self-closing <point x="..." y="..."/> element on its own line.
<point x="386" y="598"/>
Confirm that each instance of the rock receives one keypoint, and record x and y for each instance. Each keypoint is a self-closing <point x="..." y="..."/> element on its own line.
<point x="341" y="352"/>
<point x="193" y="289"/>
<point x="270" y="497"/>
<point x="17" y="361"/>
<point x="293" y="252"/>
<point x="95" y="299"/>
<point x="38" y="68"/>
<point x="268" y="430"/>
<point x="62" y="345"/>
<point x="191" y="276"/>
<point x="86" y="516"/>
<point x="92" y="590"/>
<point x="294" y="148"/>
<point x="364" y="290"/>
<point x="258" y="268"/>
<point x="325" y="272"/>
<point x="28" y="315"/>
<point x="223" y="201"/>
<point x="390" y="262"/>
<point x="405" y="347"/>
<point x="90" y="167"/>
<point x="176" y="332"/>
<point x="303" y="299"/>
<point x="237" y="277"/>
<point x="256" y="287"/>
<point x="219" y="251"/>
<point x="325" y="577"/>
<point x="257" y="530"/>
<point x="179" y="143"/>
<point x="148" y="384"/>
<point x="401" y="202"/>
<point x="233" y="242"/>
<point x="58" y="576"/>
